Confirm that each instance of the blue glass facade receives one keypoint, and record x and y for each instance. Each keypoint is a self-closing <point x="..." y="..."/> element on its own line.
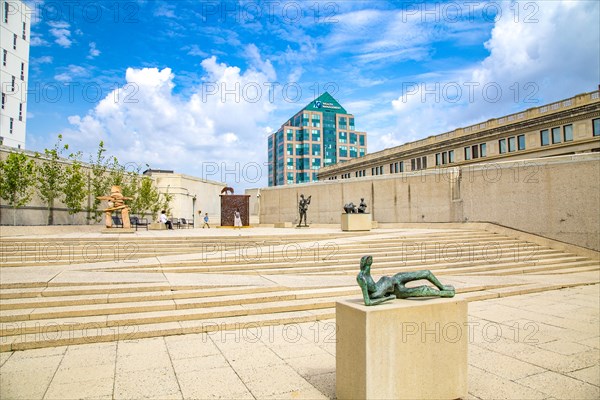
<point x="320" y="134"/>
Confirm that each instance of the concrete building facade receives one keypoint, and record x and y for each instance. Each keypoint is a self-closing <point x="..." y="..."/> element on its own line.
<point x="192" y="196"/>
<point x="15" y="27"/>
<point x="320" y="134"/>
<point x="555" y="197"/>
<point x="568" y="126"/>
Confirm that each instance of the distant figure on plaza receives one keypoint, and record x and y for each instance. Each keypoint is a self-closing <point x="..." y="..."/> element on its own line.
<point x="303" y="208"/>
<point x="116" y="202"/>
<point x="237" y="219"/>
<point x="362" y="207"/>
<point x="205" y="221"/>
<point x="388" y="288"/>
<point x="163" y="219"/>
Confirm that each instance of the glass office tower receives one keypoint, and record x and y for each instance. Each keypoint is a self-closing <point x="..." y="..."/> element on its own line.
<point x="320" y="134"/>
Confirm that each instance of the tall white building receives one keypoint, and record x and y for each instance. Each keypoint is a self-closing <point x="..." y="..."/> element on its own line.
<point x="14" y="42"/>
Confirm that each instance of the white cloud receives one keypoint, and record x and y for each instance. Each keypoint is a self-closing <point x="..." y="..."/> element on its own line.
<point x="194" y="50"/>
<point x="72" y="72"/>
<point x="94" y="52"/>
<point x="165" y="10"/>
<point x="42" y="60"/>
<point x="389" y="140"/>
<point x="556" y="49"/>
<point x="378" y="35"/>
<point x="61" y="33"/>
<point x="222" y="121"/>
<point x="529" y="64"/>
<point x="37" y="40"/>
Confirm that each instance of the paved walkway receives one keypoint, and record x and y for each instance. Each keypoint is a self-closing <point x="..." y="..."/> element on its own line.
<point x="536" y="346"/>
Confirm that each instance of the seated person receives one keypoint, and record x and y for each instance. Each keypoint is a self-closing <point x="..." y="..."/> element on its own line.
<point x="165" y="220"/>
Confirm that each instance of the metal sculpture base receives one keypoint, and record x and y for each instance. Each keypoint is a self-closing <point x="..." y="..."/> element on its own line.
<point x="408" y="349"/>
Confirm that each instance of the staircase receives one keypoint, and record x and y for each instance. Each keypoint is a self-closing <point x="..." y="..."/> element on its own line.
<point x="172" y="286"/>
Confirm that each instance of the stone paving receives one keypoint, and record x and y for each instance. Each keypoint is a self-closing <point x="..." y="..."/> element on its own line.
<point x="535" y="346"/>
<point x="537" y="343"/>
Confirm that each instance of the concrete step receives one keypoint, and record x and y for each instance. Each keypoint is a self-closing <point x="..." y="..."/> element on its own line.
<point x="40" y="314"/>
<point x="24" y="290"/>
<point x="572" y="270"/>
<point x="15" y="254"/>
<point x="145" y="318"/>
<point x="461" y="267"/>
<point x="105" y="298"/>
<point x="240" y="262"/>
<point x="100" y="329"/>
<point x="71" y="311"/>
<point x="326" y="251"/>
<point x="97" y="335"/>
<point x="566" y="263"/>
<point x="51" y="248"/>
<point x="384" y="264"/>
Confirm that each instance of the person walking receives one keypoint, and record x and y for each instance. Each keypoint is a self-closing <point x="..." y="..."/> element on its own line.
<point x="237" y="219"/>
<point x="205" y="221"/>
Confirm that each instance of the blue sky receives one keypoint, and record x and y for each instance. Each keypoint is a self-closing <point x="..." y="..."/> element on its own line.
<point x="198" y="86"/>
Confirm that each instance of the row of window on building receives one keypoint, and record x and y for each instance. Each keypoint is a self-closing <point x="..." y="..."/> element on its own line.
<point x="304" y="135"/>
<point x="556" y="135"/>
<point x="303" y="163"/>
<point x="510" y="144"/>
<point x="306" y="149"/>
<point x="301" y="177"/>
<point x="314" y="120"/>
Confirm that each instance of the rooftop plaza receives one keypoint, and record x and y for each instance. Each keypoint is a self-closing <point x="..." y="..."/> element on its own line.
<point x="222" y="313"/>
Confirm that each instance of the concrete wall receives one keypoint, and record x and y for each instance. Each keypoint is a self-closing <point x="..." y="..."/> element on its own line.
<point x="35" y="212"/>
<point x="183" y="188"/>
<point x="191" y="195"/>
<point x="556" y="197"/>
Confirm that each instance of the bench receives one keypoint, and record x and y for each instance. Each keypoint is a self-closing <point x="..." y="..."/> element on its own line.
<point x="187" y="222"/>
<point x="136" y="221"/>
<point x="117" y="222"/>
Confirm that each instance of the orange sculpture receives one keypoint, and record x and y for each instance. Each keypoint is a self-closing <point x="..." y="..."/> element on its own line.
<point x="116" y="202"/>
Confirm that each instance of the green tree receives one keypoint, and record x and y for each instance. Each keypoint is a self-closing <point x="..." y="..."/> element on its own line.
<point x="74" y="189"/>
<point x="50" y="176"/>
<point x="162" y="202"/>
<point x="99" y="183"/>
<point x="130" y="187"/>
<point x="17" y="176"/>
<point x="166" y="202"/>
<point x="148" y="198"/>
<point x="117" y="175"/>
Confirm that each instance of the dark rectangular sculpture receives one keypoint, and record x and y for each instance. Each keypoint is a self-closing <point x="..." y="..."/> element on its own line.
<point x="232" y="202"/>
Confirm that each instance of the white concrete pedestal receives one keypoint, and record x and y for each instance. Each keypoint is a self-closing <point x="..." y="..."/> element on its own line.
<point x="157" y="226"/>
<point x="356" y="222"/>
<point x="402" y="349"/>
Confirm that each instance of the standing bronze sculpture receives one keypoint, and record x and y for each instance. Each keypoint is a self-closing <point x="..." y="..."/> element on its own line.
<point x="388" y="287"/>
<point x="303" y="208"/>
